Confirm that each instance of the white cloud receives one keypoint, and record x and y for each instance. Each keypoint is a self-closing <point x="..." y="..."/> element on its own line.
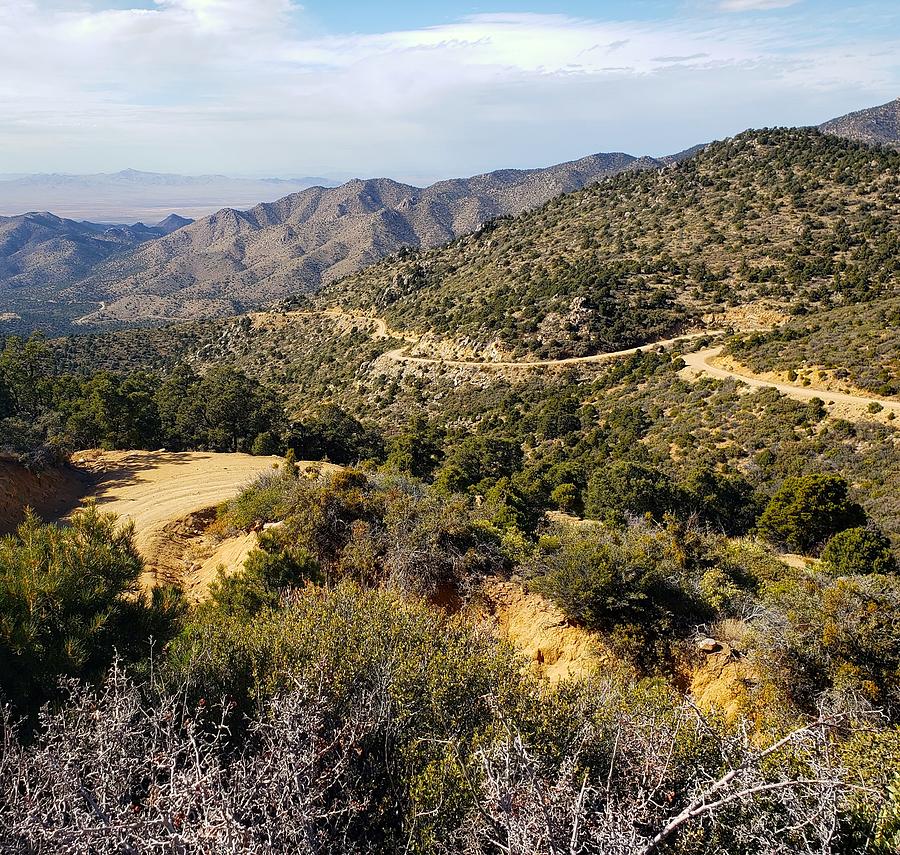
<point x="252" y="86"/>
<point x="755" y="5"/>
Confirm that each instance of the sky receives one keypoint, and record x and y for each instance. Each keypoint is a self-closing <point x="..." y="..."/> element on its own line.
<point x="419" y="90"/>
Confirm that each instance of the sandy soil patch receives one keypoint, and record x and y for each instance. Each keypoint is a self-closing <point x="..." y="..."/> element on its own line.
<point x="169" y="496"/>
<point x="556" y="649"/>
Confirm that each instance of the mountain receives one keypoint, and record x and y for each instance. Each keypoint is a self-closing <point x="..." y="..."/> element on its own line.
<point x="233" y="260"/>
<point x="172" y="223"/>
<point x="792" y="217"/>
<point x="41" y="254"/>
<point x="756" y="229"/>
<point x="874" y="126"/>
<point x="132" y="195"/>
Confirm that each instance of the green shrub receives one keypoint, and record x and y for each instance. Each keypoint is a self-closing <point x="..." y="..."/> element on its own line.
<point x="262" y="501"/>
<point x="442" y="681"/>
<point x="70" y="599"/>
<point x="265" y="444"/>
<point x="629" y="583"/>
<point x="857" y="552"/>
<point x="807" y="510"/>
<point x="567" y="498"/>
<point x="623" y="487"/>
<point x="838" y="637"/>
<point x="267" y="574"/>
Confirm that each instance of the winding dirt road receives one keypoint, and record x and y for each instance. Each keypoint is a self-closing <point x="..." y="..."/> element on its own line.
<point x="400" y="354"/>
<point x="700" y="362"/>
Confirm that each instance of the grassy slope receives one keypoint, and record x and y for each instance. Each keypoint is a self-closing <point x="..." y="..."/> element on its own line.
<point x="861" y="343"/>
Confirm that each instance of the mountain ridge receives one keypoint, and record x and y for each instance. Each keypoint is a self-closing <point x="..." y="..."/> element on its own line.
<point x="878" y="125"/>
<point x="319" y="235"/>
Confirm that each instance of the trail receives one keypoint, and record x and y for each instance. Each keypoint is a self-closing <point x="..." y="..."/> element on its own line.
<point x="382" y="332"/>
<point x="152" y="487"/>
<point x="699" y="362"/>
<point x="400" y="355"/>
<point x="101" y="306"/>
<point x="171" y="499"/>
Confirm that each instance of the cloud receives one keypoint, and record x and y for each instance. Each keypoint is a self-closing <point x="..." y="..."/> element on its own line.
<point x="240" y="86"/>
<point x="755" y="5"/>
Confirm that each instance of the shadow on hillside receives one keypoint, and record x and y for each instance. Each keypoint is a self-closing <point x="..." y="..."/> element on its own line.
<point x="51" y="493"/>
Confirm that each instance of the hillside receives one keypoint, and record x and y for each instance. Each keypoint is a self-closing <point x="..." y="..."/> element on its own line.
<point x="874" y="126"/>
<point x="234" y="260"/>
<point x="42" y="254"/>
<point x="790" y="216"/>
<point x="853" y="346"/>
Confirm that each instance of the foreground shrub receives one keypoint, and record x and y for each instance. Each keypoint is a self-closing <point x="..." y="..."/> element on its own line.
<point x="630" y="583"/>
<point x="857" y="552"/>
<point x="839" y="637"/>
<point x="437" y="682"/>
<point x="69" y="598"/>
<point x="634" y="770"/>
<point x="385" y="529"/>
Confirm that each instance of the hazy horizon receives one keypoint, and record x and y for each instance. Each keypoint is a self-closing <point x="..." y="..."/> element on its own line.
<point x="418" y="91"/>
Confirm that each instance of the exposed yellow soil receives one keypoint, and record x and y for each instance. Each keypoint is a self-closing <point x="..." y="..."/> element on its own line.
<point x="50" y="493"/>
<point x="556" y="649"/>
<point x="722" y="682"/>
<point x="753" y="316"/>
<point x="170" y="497"/>
<point x="229" y="554"/>
<point x="719" y="681"/>
<point x="185" y="552"/>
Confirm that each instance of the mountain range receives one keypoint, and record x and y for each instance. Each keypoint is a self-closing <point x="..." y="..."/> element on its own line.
<point x="874" y="126"/>
<point x="41" y="254"/>
<point x="233" y="260"/>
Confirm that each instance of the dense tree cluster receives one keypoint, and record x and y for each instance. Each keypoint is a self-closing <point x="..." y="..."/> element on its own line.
<point x="40" y="407"/>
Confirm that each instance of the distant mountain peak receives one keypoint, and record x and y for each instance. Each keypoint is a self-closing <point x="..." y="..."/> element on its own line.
<point x="173" y="222"/>
<point x="875" y="125"/>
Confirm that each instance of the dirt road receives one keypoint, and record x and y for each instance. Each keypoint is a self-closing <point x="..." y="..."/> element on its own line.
<point x="167" y="495"/>
<point x="700" y="362"/>
<point x="152" y="487"/>
<point x="171" y="499"/>
<point x="401" y="354"/>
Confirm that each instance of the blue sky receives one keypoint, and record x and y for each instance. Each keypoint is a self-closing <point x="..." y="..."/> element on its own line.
<point x="419" y="90"/>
